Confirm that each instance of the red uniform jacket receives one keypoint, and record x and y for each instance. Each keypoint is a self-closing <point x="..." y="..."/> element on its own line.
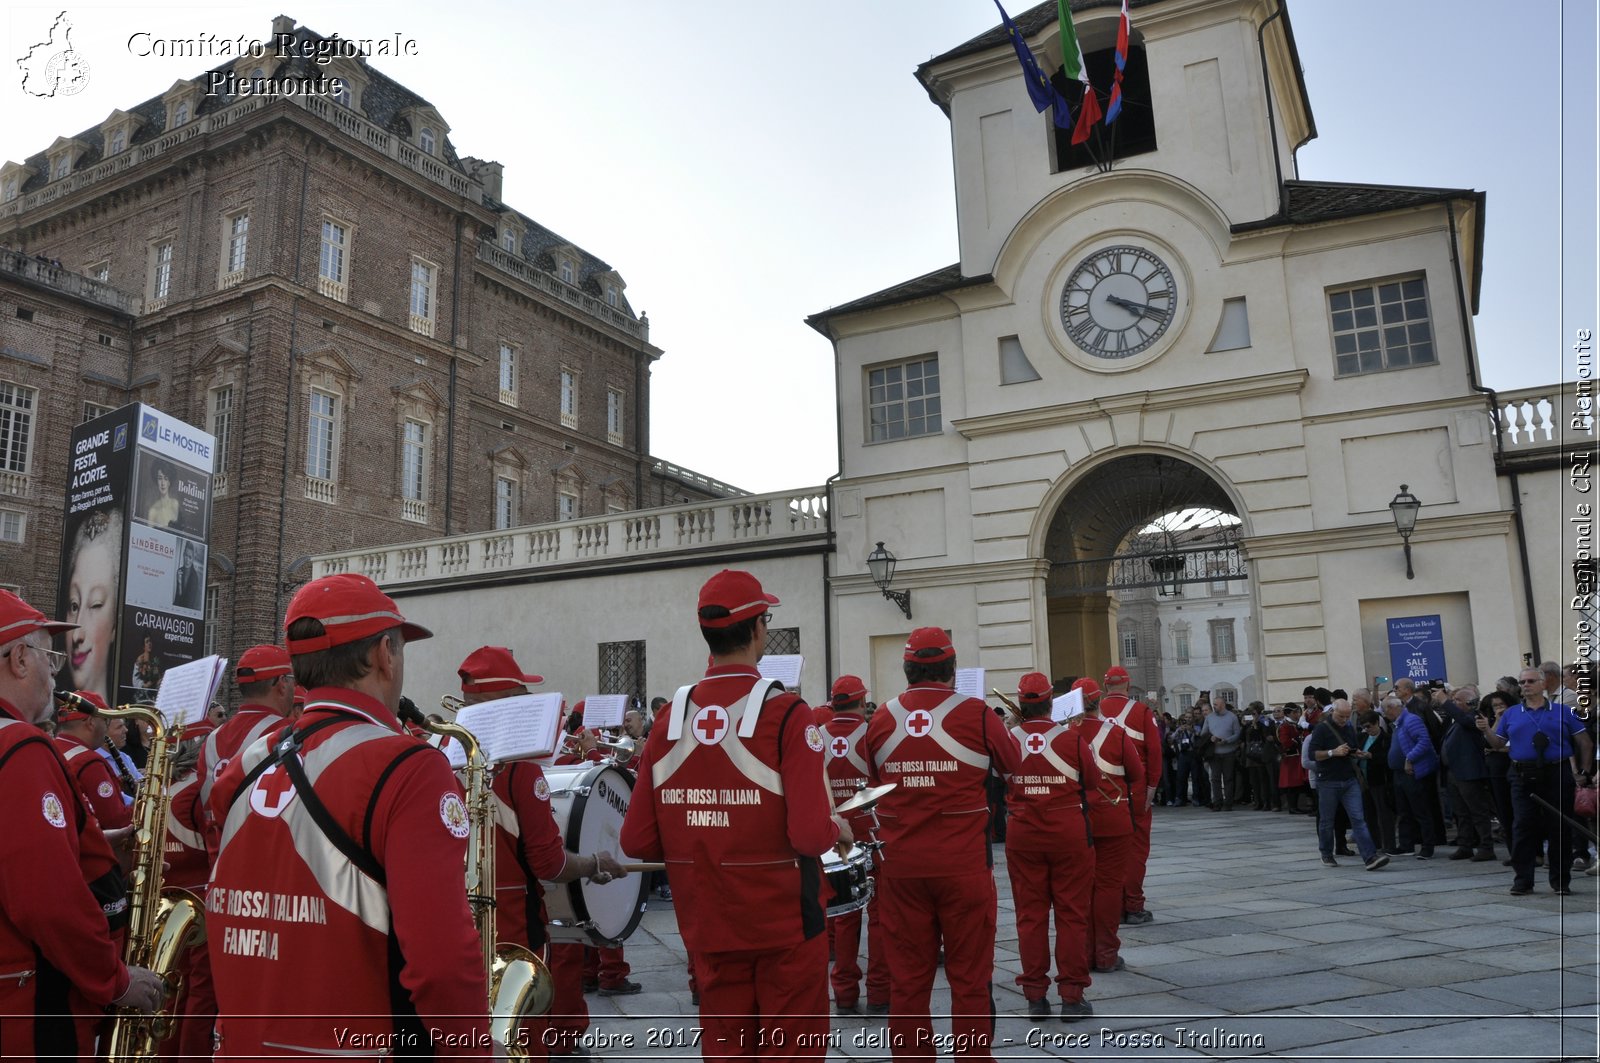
<point x="1121" y="793"/>
<point x="1139" y="721"/>
<point x="188" y="864"/>
<point x="846" y="733"/>
<point x="56" y="953"/>
<point x="939" y="747"/>
<point x="1048" y="797"/>
<point x="221" y="746"/>
<point x="528" y="848"/>
<point x="96" y="781"/>
<point x="297" y="926"/>
<point x="734" y="798"/>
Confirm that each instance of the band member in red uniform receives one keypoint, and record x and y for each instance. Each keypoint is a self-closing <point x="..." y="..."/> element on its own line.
<point x="528" y="851"/>
<point x="845" y="731"/>
<point x="189" y="868"/>
<point x="1048" y="852"/>
<point x="733" y="795"/>
<point x="1139" y="722"/>
<point x="936" y="880"/>
<point x="1114" y="808"/>
<point x="58" y="965"/>
<point x="79" y="736"/>
<point x="339" y="877"/>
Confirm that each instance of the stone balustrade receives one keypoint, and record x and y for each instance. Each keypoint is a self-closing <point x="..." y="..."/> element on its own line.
<point x="1555" y="415"/>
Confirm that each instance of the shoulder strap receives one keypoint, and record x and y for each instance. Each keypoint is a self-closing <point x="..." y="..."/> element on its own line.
<point x="260" y="769"/>
<point x="288" y="754"/>
<point x="753" y="703"/>
<point x="680" y="702"/>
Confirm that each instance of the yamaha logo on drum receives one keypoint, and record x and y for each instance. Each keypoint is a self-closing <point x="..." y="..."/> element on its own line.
<point x="618" y="802"/>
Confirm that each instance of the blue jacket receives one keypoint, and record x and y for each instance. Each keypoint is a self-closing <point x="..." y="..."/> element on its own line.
<point x="1464" y="745"/>
<point x="1411" y="742"/>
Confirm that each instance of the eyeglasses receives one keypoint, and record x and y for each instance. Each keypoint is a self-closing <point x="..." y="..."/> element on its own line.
<point x="766" y="618"/>
<point x="1525" y="682"/>
<point x="56" y="658"/>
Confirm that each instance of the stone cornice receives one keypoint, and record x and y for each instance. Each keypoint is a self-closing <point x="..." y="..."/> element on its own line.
<point x="1289" y="382"/>
<point x="1025" y="568"/>
<point x="1369" y="536"/>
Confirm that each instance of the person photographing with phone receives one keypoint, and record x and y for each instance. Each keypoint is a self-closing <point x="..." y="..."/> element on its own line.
<point x="1335" y="749"/>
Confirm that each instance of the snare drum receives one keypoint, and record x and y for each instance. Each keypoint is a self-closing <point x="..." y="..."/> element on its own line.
<point x="849" y="880"/>
<point x="590" y="801"/>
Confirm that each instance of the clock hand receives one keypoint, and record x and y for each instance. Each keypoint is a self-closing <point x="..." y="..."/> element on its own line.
<point x="1140" y="309"/>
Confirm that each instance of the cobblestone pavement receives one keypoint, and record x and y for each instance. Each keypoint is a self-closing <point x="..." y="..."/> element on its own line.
<point x="1257" y="952"/>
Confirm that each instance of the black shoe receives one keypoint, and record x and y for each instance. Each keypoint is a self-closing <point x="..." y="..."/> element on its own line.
<point x="591" y="984"/>
<point x="1329" y="861"/>
<point x="877" y="1009"/>
<point x="1377" y="861"/>
<point x="1482" y="856"/>
<point x="1117" y="966"/>
<point x="1397" y="851"/>
<point x="1039" y="1010"/>
<point x="1562" y="891"/>
<point x="694" y="997"/>
<point x="664" y="892"/>
<point x="1425" y="853"/>
<point x="1519" y="890"/>
<point x="851" y="1008"/>
<point x="1343" y="851"/>
<point x="1461" y="854"/>
<point x="1076" y="1010"/>
<point x="1139" y="918"/>
<point x="624" y="988"/>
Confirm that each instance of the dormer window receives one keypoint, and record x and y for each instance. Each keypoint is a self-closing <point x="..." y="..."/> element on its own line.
<point x="12" y="177"/>
<point x="611" y="295"/>
<point x="508" y="240"/>
<point x="8" y="191"/>
<point x="425" y="140"/>
<point x="182" y="101"/>
<point x="566" y="270"/>
<point x="117" y="131"/>
<point x="341" y="93"/>
<point x="119" y="141"/>
<point x="63" y="156"/>
<point x="62" y="167"/>
<point x="180" y="114"/>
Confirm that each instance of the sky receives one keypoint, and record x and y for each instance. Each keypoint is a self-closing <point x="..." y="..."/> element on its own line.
<point x="745" y="164"/>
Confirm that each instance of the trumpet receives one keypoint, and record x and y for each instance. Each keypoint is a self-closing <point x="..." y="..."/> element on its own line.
<point x="621" y="747"/>
<point x="451" y="704"/>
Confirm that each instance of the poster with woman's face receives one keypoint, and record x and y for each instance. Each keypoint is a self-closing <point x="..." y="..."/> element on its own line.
<point x="171" y="495"/>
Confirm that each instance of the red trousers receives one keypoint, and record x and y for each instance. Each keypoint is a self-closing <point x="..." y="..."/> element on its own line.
<point x="917" y="914"/>
<point x="569" y="1012"/>
<point x="1061" y="882"/>
<point x="1138" y="858"/>
<point x="845" y="931"/>
<point x="764" y="1003"/>
<point x="1105" y="914"/>
<point x="604" y="965"/>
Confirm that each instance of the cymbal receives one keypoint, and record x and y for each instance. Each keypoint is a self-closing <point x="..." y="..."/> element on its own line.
<point x="870" y="796"/>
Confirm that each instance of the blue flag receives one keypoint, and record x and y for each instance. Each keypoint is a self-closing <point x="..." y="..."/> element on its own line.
<point x="1040" y="90"/>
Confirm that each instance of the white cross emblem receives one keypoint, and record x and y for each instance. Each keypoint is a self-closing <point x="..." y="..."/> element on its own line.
<point x="1035" y="743"/>
<point x="840" y="747"/>
<point x="919" y="723"/>
<point x="272" y="792"/>
<point x="709" y="725"/>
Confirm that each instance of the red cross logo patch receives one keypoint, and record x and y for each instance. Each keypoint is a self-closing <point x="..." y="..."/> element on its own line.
<point x="840" y="746"/>
<point x="272" y="792"/>
<point x="1035" y="743"/>
<point x="709" y="725"/>
<point x="919" y="723"/>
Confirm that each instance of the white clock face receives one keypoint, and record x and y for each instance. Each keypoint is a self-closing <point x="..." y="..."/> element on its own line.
<point x="1118" y="301"/>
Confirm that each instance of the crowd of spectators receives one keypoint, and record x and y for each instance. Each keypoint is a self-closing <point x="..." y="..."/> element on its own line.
<point x="1423" y="766"/>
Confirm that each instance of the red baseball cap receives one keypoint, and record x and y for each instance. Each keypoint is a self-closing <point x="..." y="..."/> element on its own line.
<point x="69" y="712"/>
<point x="1090" y="688"/>
<point x="261" y="663"/>
<point x="1035" y="686"/>
<point x="731" y="596"/>
<point x="1116" y="674"/>
<point x="301" y="695"/>
<point x="490" y="669"/>
<point x="929" y="645"/>
<point x="350" y="607"/>
<point x="847" y="688"/>
<point x="18" y="618"/>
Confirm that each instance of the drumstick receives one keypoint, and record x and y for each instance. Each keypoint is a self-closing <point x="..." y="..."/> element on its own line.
<point x="644" y="867"/>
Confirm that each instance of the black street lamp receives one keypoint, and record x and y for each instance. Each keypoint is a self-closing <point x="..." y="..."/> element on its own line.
<point x="1169" y="570"/>
<point x="881" y="564"/>
<point x="1404" y="507"/>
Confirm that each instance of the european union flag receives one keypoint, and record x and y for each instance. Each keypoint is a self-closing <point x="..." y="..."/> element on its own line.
<point x="1040" y="90"/>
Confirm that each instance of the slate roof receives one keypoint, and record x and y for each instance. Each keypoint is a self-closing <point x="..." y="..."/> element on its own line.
<point x="942" y="280"/>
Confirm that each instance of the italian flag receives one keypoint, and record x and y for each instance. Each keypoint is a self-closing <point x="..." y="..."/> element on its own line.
<point x="1072" y="63"/>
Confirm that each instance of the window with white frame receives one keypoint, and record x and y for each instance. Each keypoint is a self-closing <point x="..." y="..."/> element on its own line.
<point x="119" y="141"/>
<point x="1222" y="646"/>
<point x="423" y="278"/>
<point x="1381" y="326"/>
<point x="161" y="273"/>
<point x="322" y="436"/>
<point x="1185" y="697"/>
<point x="1218" y="571"/>
<point x="505" y="502"/>
<point x="1223" y="694"/>
<point x="16" y="429"/>
<point x="413" y="460"/>
<point x="566" y="270"/>
<point x="13" y="525"/>
<point x="334" y="261"/>
<point x="508" y="240"/>
<point x="100" y="271"/>
<point x="903" y="400"/>
<point x="611" y="295"/>
<point x="91" y="410"/>
<point x="508" y="374"/>
<point x="425" y="140"/>
<point x="566" y="504"/>
<point x="341" y="93"/>
<point x="614" y="416"/>
<point x="9" y="190"/>
<point x="1130" y="644"/>
<point x="569" y="398"/>
<point x="208" y="645"/>
<point x="221" y="421"/>
<point x="63" y="166"/>
<point x="237" y="233"/>
<point x="1180" y="643"/>
<point x="180" y="116"/>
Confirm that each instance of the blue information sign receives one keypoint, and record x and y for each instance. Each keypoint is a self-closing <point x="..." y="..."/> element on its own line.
<point x="1416" y="647"/>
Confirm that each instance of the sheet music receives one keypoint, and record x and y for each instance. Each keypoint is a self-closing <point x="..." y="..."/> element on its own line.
<point x="514" y="728"/>
<point x="604" y="710"/>
<point x="1067" y="706"/>
<point x="187" y="689"/>
<point x="784" y="667"/>
<point x="969" y="682"/>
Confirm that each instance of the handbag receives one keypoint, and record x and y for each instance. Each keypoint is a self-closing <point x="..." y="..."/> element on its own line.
<point x="1586" y="802"/>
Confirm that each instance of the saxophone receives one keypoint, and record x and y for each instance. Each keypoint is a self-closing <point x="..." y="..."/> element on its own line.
<point x="162" y="924"/>
<point x="520" y="984"/>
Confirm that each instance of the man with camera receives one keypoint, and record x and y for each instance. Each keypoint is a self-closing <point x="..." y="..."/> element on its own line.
<point x="1541" y="736"/>
<point x="1335" y="749"/>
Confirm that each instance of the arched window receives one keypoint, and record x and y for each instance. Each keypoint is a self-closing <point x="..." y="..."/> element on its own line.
<point x="425" y="140"/>
<point x="181" y="115"/>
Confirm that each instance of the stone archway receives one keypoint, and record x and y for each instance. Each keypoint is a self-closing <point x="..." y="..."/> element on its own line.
<point x="1132" y="524"/>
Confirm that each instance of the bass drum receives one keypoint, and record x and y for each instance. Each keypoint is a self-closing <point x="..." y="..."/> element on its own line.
<point x="590" y="802"/>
